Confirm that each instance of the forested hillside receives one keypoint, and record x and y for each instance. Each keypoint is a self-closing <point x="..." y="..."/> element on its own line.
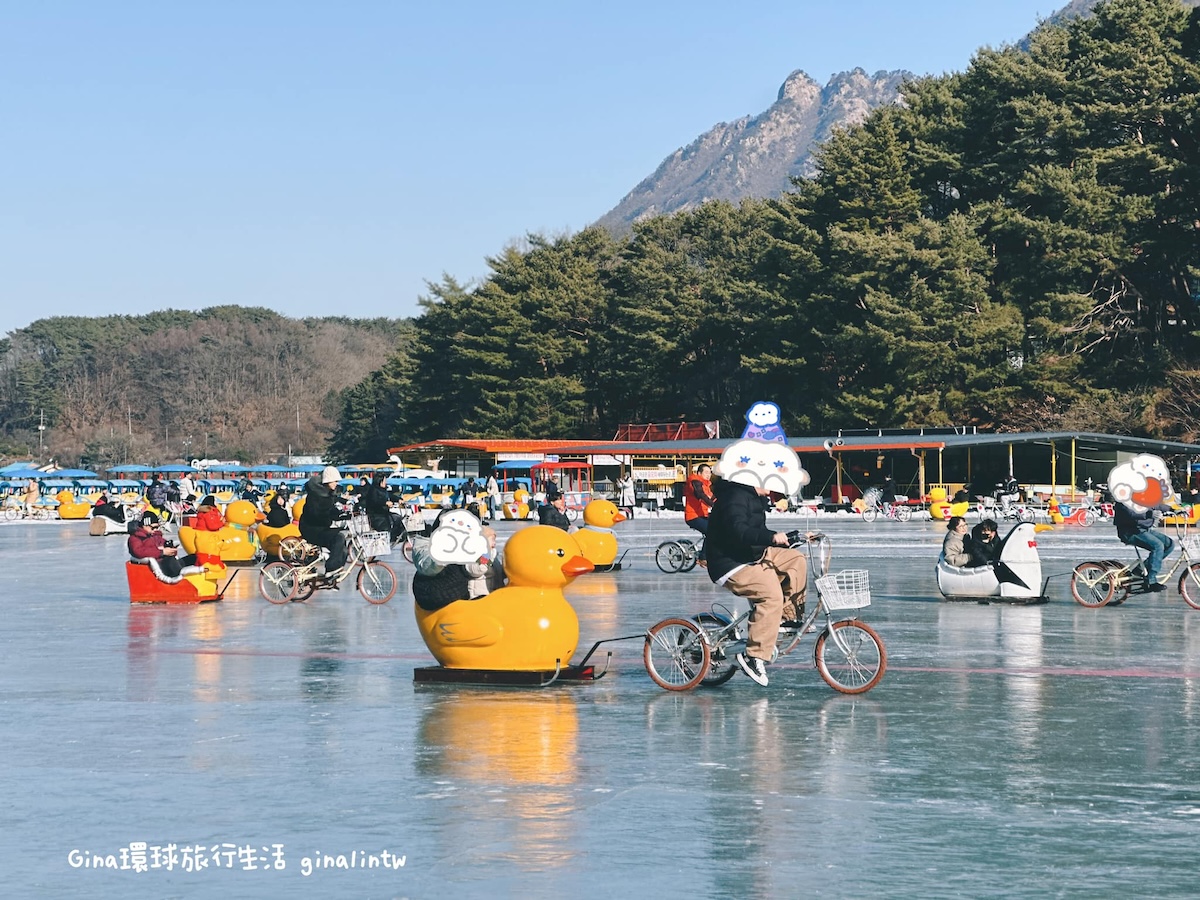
<point x="1015" y="246"/>
<point x="231" y="382"/>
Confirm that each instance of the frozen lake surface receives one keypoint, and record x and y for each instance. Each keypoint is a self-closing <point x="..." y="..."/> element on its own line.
<point x="1010" y="751"/>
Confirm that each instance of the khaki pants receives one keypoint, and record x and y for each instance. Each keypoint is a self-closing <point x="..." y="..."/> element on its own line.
<point x="775" y="587"/>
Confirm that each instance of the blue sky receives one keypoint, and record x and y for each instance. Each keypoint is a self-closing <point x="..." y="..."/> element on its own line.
<point x="330" y="159"/>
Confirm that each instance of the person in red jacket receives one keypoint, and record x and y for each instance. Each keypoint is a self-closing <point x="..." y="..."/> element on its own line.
<point x="698" y="498"/>
<point x="208" y="517"/>
<point x="698" y="501"/>
<point x="147" y="542"/>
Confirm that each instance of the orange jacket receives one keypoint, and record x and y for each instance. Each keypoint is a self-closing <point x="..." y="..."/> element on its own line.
<point x="697" y="498"/>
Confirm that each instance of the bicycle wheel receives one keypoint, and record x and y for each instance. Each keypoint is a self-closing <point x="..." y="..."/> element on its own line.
<point x="12" y="513"/>
<point x="676" y="654"/>
<point x="291" y="549"/>
<point x="721" y="665"/>
<point x="376" y="582"/>
<point x="406" y="550"/>
<point x="1092" y="584"/>
<point x="1189" y="585"/>
<point x="850" y="657"/>
<point x="669" y="556"/>
<point x="1025" y="514"/>
<point x="304" y="590"/>
<point x="903" y="513"/>
<point x="277" y="582"/>
<point x="572" y="514"/>
<point x="1089" y="518"/>
<point x="690" y="556"/>
<point x="870" y="514"/>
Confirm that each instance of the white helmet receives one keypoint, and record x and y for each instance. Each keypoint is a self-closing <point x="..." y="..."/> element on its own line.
<point x="330" y="475"/>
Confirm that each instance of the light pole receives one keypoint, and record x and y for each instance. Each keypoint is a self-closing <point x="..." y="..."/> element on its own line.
<point x="41" y="432"/>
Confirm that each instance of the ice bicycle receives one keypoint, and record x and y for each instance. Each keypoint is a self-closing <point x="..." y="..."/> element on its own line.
<point x="298" y="577"/>
<point x="1110" y="582"/>
<point x="682" y="653"/>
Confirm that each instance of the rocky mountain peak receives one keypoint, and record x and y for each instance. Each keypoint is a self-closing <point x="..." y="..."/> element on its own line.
<point x="757" y="156"/>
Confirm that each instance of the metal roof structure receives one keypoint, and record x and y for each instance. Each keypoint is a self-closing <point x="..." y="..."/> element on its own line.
<point x="847" y="442"/>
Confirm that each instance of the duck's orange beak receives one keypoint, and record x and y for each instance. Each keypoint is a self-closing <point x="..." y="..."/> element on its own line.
<point x="619" y="517"/>
<point x="576" y="566"/>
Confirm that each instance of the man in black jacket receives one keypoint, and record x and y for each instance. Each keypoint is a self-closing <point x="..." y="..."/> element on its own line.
<point x="554" y="510"/>
<point x="756" y="563"/>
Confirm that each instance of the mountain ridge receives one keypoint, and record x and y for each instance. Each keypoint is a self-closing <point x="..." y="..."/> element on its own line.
<point x="759" y="156"/>
<point x="756" y="156"/>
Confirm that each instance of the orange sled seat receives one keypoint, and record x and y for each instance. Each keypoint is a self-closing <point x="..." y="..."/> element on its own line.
<point x="149" y="584"/>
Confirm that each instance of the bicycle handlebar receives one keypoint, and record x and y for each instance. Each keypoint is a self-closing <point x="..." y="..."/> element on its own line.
<point x="796" y="538"/>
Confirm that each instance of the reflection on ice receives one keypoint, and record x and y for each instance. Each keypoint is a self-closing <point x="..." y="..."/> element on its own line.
<point x="1006" y="746"/>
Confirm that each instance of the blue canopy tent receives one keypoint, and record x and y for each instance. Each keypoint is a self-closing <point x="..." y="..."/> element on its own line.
<point x="127" y="484"/>
<point x="131" y="467"/>
<point x="27" y="466"/>
<point x="25" y="475"/>
<point x="73" y="473"/>
<point x="177" y="469"/>
<point x="227" y="469"/>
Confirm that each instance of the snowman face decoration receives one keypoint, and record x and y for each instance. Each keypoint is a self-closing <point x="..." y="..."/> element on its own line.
<point x="767" y="465"/>
<point x="1141" y="483"/>
<point x="458" y="539"/>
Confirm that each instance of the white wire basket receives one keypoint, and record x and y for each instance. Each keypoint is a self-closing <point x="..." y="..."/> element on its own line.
<point x="1191" y="543"/>
<point x="848" y="589"/>
<point x="375" y="543"/>
<point x="359" y="525"/>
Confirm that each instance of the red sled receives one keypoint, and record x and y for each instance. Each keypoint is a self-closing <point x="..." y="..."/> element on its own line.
<point x="149" y="584"/>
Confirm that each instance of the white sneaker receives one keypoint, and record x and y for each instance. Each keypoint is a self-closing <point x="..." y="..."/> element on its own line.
<point x="754" y="667"/>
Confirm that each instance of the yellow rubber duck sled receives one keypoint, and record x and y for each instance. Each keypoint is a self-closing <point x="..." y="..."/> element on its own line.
<point x="528" y="625"/>
<point x="595" y="538"/>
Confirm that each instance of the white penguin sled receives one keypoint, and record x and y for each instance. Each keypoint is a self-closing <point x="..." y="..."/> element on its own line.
<point x="1015" y="577"/>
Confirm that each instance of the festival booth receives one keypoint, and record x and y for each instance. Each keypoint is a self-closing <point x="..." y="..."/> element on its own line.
<point x="574" y="479"/>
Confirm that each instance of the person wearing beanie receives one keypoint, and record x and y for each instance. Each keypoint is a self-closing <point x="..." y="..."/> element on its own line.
<point x="320" y="509"/>
<point x="147" y="542"/>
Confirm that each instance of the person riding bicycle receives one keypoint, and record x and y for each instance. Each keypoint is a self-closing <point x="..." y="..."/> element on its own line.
<point x="320" y="510"/>
<point x="749" y="559"/>
<point x="698" y="501"/>
<point x="888" y="495"/>
<point x="376" y="503"/>
<point x="1137" y="529"/>
<point x="1140" y="488"/>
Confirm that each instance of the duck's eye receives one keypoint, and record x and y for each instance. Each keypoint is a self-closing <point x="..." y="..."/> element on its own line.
<point x="561" y="552"/>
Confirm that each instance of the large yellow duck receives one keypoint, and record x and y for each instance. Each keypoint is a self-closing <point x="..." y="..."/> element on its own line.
<point x="519" y="507"/>
<point x="595" y="538"/>
<point x="70" y="508"/>
<point x="526" y="626"/>
<point x="237" y="538"/>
